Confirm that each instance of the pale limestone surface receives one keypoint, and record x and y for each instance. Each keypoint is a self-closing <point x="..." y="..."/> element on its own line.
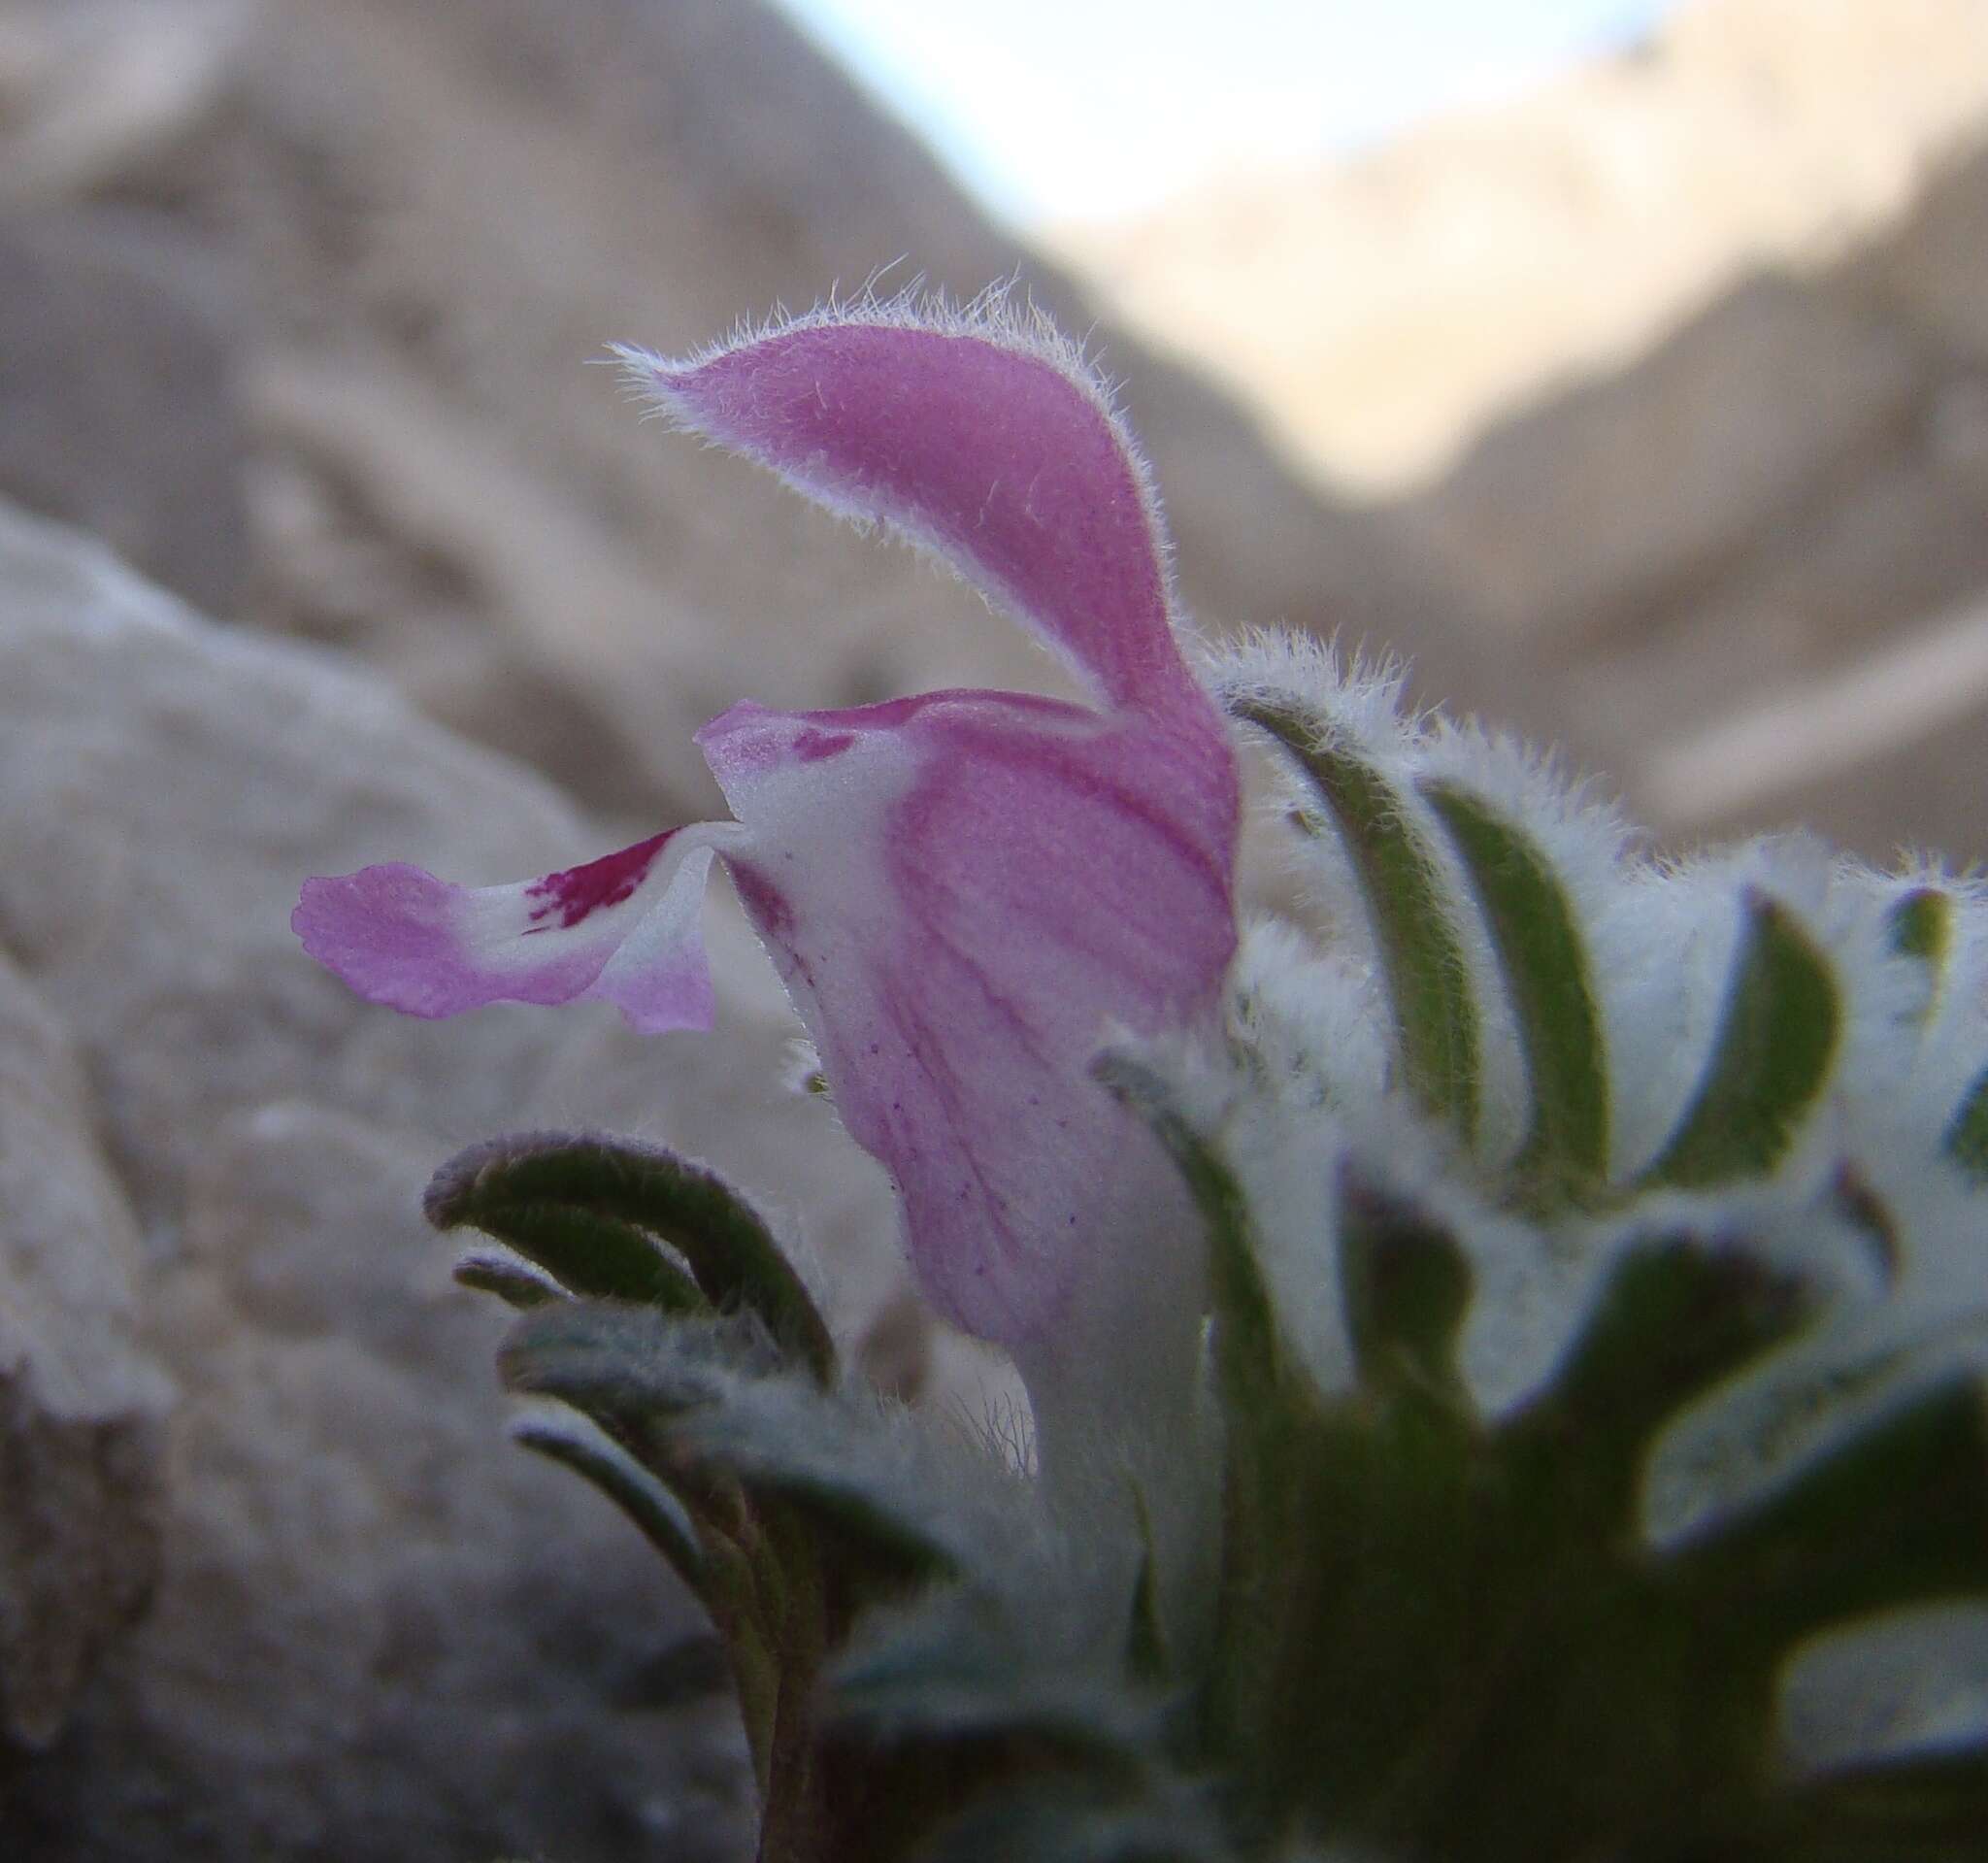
<point x="378" y="1631"/>
<point x="82" y="1407"/>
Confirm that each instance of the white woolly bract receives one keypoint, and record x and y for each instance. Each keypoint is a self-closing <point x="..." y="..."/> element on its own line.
<point x="1939" y="1049"/>
<point x="1361" y="696"/>
<point x="1673" y="936"/>
<point x="1311" y="1022"/>
<point x="1661" y="939"/>
<point x="1913" y="1682"/>
<point x="1357" y="704"/>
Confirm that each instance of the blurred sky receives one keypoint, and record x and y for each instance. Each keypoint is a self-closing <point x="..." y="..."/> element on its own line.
<point x="1096" y="108"/>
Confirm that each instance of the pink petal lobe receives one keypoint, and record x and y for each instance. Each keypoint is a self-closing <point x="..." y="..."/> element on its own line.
<point x="964" y="902"/>
<point x="987" y="442"/>
<point x="625" y="929"/>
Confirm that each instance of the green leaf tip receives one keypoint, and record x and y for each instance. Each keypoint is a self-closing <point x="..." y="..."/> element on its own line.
<point x="1673" y="1319"/>
<point x="1921" y="925"/>
<point x="518" y="1284"/>
<point x="1407" y="903"/>
<point x="1966" y="1138"/>
<point x="1544" y="960"/>
<point x="1256" y="1368"/>
<point x="1776" y="1043"/>
<point x="1407" y="1287"/>
<point x="1146" y="1634"/>
<point x="592" y="1210"/>
<point x="1893" y="1513"/>
<point x="571" y="1441"/>
<point x="594" y="1256"/>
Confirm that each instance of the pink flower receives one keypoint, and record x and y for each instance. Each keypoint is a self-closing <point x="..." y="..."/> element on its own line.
<point x="965" y="893"/>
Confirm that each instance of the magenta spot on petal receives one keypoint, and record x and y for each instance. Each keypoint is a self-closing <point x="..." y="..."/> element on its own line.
<point x="764" y="902"/>
<point x="579" y="891"/>
<point x="816" y="747"/>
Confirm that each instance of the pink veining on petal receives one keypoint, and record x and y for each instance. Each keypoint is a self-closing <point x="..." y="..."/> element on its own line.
<point x="764" y="902"/>
<point x="578" y="892"/>
<point x="1001" y="455"/>
<point x="818" y="747"/>
<point x="995" y="883"/>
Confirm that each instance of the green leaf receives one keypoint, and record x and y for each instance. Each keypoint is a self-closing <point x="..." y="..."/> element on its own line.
<point x="722" y="1408"/>
<point x="1673" y="1320"/>
<point x="615" y="1361"/>
<point x="1407" y="1287"/>
<point x="516" y="1282"/>
<point x="1545" y="961"/>
<point x="1769" y="1062"/>
<point x="1290" y="1479"/>
<point x="1965" y="1139"/>
<point x="1257" y="1370"/>
<point x="591" y="1253"/>
<point x="1408" y="902"/>
<point x="839" y="1467"/>
<point x="629" y="1189"/>
<point x="663" y="1520"/>
<point x="1920" y="924"/>
<point x="1897" y="1514"/>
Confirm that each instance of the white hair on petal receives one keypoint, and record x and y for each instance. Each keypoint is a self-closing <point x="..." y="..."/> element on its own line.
<point x="1001" y="313"/>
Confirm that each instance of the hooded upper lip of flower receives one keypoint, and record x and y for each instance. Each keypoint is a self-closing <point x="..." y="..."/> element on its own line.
<point x="964" y="891"/>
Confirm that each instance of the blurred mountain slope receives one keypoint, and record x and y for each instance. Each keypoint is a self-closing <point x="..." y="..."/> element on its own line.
<point x="1382" y="308"/>
<point x="1753" y="566"/>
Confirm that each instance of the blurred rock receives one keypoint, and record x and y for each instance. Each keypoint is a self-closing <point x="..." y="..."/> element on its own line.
<point x="117" y="377"/>
<point x="92" y="88"/>
<point x="80" y="1407"/>
<point x="378" y="1631"/>
<point x="430" y="220"/>
<point x="1930" y="272"/>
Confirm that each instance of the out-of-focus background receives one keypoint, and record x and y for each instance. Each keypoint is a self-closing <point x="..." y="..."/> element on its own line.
<point x="1625" y="366"/>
